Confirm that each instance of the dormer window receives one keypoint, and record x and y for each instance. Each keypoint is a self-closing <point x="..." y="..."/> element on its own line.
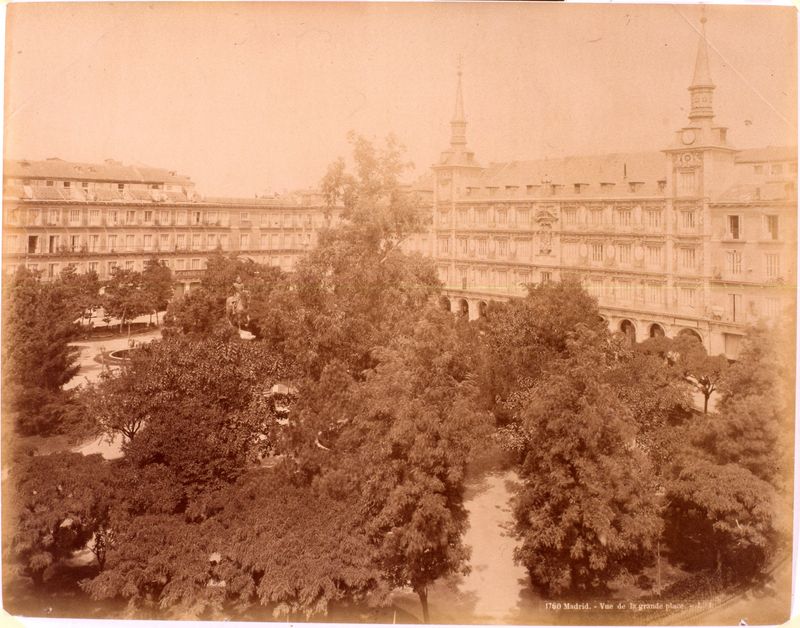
<point x="121" y="186"/>
<point x="776" y="169"/>
<point x="634" y="186"/>
<point x="84" y="184"/>
<point x="606" y="187"/>
<point x="492" y="190"/>
<point x="555" y="187"/>
<point x="511" y="189"/>
<point x="49" y="184"/>
<point x="577" y="188"/>
<point x="66" y="184"/>
<point x="531" y="189"/>
<point x="662" y="185"/>
<point x="758" y="169"/>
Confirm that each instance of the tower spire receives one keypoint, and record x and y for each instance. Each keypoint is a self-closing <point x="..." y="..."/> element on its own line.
<point x="458" y="125"/>
<point x="702" y="87"/>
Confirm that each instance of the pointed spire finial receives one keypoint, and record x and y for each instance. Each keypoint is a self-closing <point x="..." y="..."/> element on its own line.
<point x="458" y="116"/>
<point x="702" y="74"/>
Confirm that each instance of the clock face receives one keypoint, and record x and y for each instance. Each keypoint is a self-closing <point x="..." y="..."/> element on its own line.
<point x="687" y="137"/>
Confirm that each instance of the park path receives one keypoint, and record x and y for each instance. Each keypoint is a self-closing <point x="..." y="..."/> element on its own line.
<point x="495" y="583"/>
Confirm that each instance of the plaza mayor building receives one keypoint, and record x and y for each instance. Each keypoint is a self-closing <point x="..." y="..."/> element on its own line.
<point x="697" y="237"/>
<point x="693" y="237"/>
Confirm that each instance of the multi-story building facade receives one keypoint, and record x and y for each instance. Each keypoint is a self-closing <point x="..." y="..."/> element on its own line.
<point x="99" y="216"/>
<point x="695" y="238"/>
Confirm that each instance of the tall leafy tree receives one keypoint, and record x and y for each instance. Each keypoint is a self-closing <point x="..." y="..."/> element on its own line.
<point x="124" y="297"/>
<point x="586" y="510"/>
<point x="157" y="285"/>
<point x="38" y="326"/>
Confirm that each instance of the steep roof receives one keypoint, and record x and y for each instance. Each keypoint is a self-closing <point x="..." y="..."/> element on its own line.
<point x="618" y="168"/>
<point x="768" y="153"/>
<point x="110" y="170"/>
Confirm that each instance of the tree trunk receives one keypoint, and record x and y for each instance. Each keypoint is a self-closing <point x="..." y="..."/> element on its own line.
<point x="658" y="567"/>
<point x="705" y="405"/>
<point x="422" y="592"/>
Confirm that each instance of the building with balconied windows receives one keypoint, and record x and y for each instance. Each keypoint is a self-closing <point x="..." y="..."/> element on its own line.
<point x="100" y="216"/>
<point x="694" y="237"/>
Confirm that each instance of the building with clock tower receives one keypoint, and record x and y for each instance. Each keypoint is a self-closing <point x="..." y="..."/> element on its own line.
<point x="696" y="238"/>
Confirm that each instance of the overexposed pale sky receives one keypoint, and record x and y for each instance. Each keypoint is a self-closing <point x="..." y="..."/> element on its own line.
<point x="250" y="97"/>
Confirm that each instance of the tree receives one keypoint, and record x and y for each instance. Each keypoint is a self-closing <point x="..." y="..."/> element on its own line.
<point x="400" y="437"/>
<point x="586" y="510"/>
<point x="720" y="517"/>
<point x="58" y="503"/>
<point x="157" y="285"/>
<point x="82" y="291"/>
<point x="704" y="371"/>
<point x="124" y="297"/>
<point x="38" y="325"/>
<point x="524" y="335"/>
<point x="194" y="314"/>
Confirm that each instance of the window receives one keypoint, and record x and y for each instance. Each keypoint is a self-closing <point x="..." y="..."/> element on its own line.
<point x="130" y="217"/>
<point x="597" y="252"/>
<point x="195" y="264"/>
<point x="212" y="218"/>
<point x="655" y="294"/>
<point x="625" y="253"/>
<point x="223" y="241"/>
<point x="735" y="307"/>
<point x="773" y="265"/>
<point x="197" y="218"/>
<point x="49" y="184"/>
<point x="180" y="241"/>
<point x="180" y="264"/>
<point x="463" y="246"/>
<point x="734" y="262"/>
<point x="52" y="217"/>
<point x="776" y="169"/>
<point x="93" y="267"/>
<point x="163" y="241"/>
<point x="444" y="246"/>
<point x="523" y="217"/>
<point x="687" y="258"/>
<point x="502" y="248"/>
<point x="462" y="217"/>
<point x="625" y="290"/>
<point x="758" y="169"/>
<point x="502" y="216"/>
<point x="596" y="288"/>
<point x="197" y="241"/>
<point x="687" y="295"/>
<point x="482" y="247"/>
<point x="147" y="242"/>
<point x="244" y="241"/>
<point x="148" y="216"/>
<point x="596" y="217"/>
<point x="264" y="241"/>
<point x="502" y="278"/>
<point x="75" y="243"/>
<point x="570" y="216"/>
<point x="74" y="216"/>
<point x="94" y="217"/>
<point x="113" y="217"/>
<point x="276" y="242"/>
<point x="112" y="243"/>
<point x="577" y="188"/>
<point x="121" y="187"/>
<point x="654" y="256"/>
<point x="771" y="224"/>
<point x="624" y="217"/>
<point x="130" y="242"/>
<point x="686" y="183"/>
<point x="545" y="276"/>
<point x="733" y="227"/>
<point x="85" y="185"/>
<point x="181" y="218"/>
<point x="688" y="219"/>
<point x="482" y="217"/>
<point x="571" y="251"/>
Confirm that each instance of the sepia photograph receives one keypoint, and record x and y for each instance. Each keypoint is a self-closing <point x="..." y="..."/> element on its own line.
<point x="399" y="313"/>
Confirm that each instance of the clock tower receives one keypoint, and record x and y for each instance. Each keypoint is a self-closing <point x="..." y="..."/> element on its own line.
<point x="701" y="157"/>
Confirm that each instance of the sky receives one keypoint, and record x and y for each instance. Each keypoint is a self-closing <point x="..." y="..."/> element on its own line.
<point x="248" y="98"/>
